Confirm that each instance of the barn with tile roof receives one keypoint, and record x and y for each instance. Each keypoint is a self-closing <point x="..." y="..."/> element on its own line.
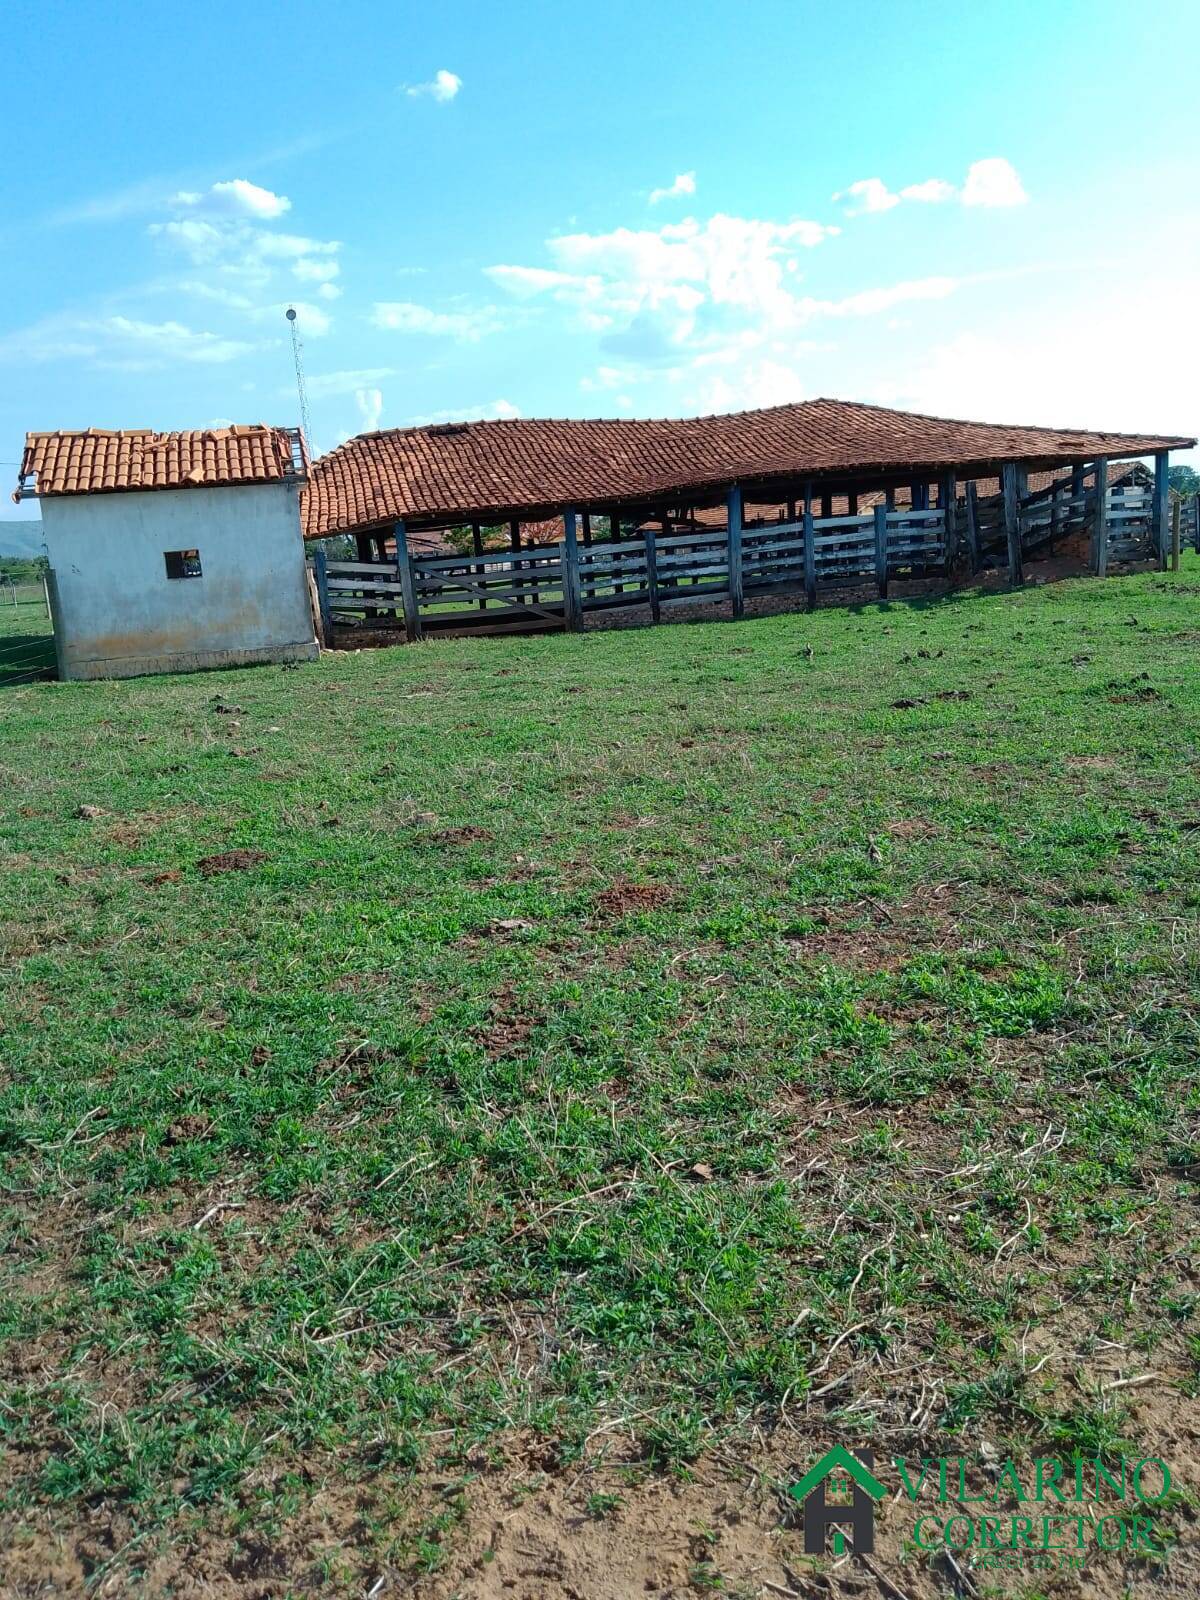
<point x="842" y="491"/>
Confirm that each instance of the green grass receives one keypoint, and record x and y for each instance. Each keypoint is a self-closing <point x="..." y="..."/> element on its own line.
<point x="663" y="1026"/>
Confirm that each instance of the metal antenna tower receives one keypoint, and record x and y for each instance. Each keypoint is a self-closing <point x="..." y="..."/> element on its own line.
<point x="298" y="357"/>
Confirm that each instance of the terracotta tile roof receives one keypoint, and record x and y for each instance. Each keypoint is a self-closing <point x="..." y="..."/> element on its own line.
<point x="531" y="468"/>
<point x="99" y="461"/>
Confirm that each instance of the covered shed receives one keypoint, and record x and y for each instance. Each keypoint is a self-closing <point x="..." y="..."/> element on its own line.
<point x="847" y="489"/>
<point x="170" y="552"/>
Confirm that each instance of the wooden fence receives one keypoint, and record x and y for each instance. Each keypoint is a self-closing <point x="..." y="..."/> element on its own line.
<point x="559" y="585"/>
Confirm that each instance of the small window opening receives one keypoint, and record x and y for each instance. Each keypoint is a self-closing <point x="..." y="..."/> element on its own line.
<point x="182" y="563"/>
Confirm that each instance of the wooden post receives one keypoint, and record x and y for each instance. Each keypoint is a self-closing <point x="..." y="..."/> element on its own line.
<point x="1160" y="525"/>
<point x="791" y="511"/>
<point x="587" y="527"/>
<point x="810" y="551"/>
<point x="408" y="589"/>
<point x="321" y="572"/>
<point x="1176" y="513"/>
<point x="572" y="601"/>
<point x="948" y="506"/>
<point x="652" y="569"/>
<point x="733" y="503"/>
<point x="852" y="503"/>
<point x="1100" y="519"/>
<point x="1012" y="523"/>
<point x="881" y="550"/>
<point x="973" y="526"/>
<point x="920" y="496"/>
<point x="826" y="504"/>
<point x="889" y="498"/>
<point x="477" y="546"/>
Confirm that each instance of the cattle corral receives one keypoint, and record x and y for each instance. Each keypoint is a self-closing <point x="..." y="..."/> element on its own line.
<point x="799" y="501"/>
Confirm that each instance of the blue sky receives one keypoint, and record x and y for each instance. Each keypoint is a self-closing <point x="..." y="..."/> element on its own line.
<point x="620" y="209"/>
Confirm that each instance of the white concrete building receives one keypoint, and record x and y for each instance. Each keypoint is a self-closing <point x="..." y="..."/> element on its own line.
<point x="172" y="552"/>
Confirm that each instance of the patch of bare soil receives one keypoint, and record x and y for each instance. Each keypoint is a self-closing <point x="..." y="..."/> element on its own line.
<point x="873" y="937"/>
<point x="230" y="861"/>
<point x="508" y="1027"/>
<point x="622" y="897"/>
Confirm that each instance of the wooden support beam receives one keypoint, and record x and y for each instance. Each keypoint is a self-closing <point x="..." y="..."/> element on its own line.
<point x="652" y="567"/>
<point x="477" y="546"/>
<point x="889" y="497"/>
<point x="791" y="511"/>
<point x="1176" y="514"/>
<point x="810" y="551"/>
<point x="1160" y="526"/>
<point x="321" y="575"/>
<point x="881" y="550"/>
<point x="408" y="589"/>
<point x="920" y="496"/>
<point x="973" y="526"/>
<point x="1100" y="519"/>
<point x="614" y="534"/>
<point x="852" y="503"/>
<point x="587" y="527"/>
<point x="514" y="535"/>
<point x="733" y="504"/>
<point x="1012" y="523"/>
<point x="948" y="506"/>
<point x="826" y="504"/>
<point x="572" y="600"/>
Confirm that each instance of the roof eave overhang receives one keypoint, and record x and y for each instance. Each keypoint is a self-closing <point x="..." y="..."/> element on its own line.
<point x="864" y="475"/>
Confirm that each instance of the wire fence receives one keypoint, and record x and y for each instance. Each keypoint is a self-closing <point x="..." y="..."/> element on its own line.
<point x="26" y="633"/>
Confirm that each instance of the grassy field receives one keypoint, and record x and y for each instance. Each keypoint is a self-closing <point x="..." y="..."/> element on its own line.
<point x="561" y="1084"/>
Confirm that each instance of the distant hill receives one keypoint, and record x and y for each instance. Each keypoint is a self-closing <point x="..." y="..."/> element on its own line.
<point x="20" y="538"/>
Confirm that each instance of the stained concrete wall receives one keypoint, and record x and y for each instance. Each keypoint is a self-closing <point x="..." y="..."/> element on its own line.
<point x="117" y="614"/>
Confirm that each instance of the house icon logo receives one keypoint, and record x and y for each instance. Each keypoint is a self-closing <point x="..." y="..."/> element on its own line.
<point x="858" y="1515"/>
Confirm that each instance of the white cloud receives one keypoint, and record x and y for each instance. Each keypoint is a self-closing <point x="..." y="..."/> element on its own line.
<point x="867" y="195"/>
<point x="237" y="197"/>
<point x="933" y="192"/>
<point x="870" y="302"/>
<point x="685" y="183"/>
<point x="993" y="182"/>
<point x="126" y="343"/>
<point x="315" y="271"/>
<point x="329" y="291"/>
<point x="442" y="87"/>
<point x="656" y="292"/>
<point x="321" y="384"/>
<point x="495" y="411"/>
<point x="405" y="316"/>
<point x="370" y="406"/>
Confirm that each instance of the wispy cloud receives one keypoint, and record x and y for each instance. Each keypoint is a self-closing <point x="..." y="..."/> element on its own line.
<point x="443" y="86"/>
<point x="127" y="343"/>
<point x="322" y="384"/>
<point x="370" y="407"/>
<point x="494" y="411"/>
<point x="405" y="316"/>
<point x="685" y="183"/>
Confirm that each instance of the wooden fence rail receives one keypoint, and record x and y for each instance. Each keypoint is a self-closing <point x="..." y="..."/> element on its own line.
<point x="559" y="585"/>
